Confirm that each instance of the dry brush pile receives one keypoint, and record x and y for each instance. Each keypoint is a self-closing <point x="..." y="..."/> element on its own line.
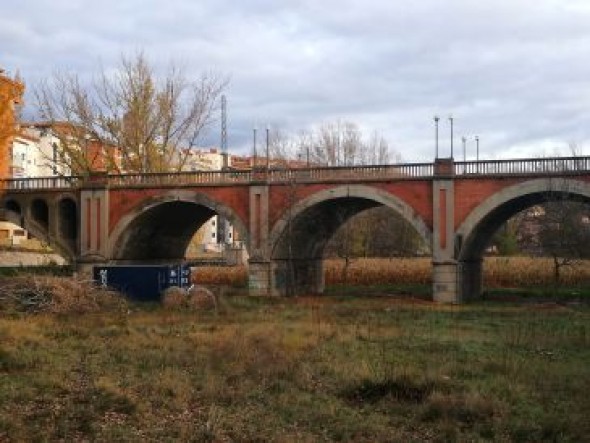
<point x="57" y="295"/>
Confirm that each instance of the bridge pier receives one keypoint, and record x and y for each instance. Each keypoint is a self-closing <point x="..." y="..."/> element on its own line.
<point x="298" y="277"/>
<point x="260" y="276"/>
<point x="445" y="276"/>
<point x="445" y="280"/>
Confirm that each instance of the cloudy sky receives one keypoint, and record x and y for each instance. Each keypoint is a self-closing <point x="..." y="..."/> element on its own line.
<point x="514" y="72"/>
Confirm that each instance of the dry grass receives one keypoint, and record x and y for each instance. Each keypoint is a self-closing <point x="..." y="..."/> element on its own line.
<point x="499" y="272"/>
<point x="331" y="369"/>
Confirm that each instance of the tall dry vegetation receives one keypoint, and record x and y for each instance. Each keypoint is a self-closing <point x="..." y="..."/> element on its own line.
<point x="499" y="272"/>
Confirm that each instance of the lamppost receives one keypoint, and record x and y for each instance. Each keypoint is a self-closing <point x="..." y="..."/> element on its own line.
<point x="436" y="119"/>
<point x="267" y="147"/>
<point x="254" y="148"/>
<point x="464" y="140"/>
<point x="451" y="121"/>
<point x="477" y="152"/>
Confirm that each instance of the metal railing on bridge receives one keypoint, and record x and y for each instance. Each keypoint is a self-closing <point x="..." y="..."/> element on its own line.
<point x="529" y="166"/>
<point x="352" y="173"/>
<point x="407" y="171"/>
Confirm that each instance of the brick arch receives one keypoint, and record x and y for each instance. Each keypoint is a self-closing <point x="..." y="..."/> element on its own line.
<point x="171" y="217"/>
<point x="367" y="197"/>
<point x="476" y="230"/>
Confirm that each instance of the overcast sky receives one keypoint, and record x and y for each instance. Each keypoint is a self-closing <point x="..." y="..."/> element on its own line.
<point x="514" y="72"/>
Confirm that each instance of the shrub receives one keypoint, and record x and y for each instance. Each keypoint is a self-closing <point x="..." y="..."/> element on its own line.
<point x="58" y="295"/>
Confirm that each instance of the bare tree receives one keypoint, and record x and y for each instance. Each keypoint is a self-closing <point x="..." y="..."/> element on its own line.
<point x="140" y="122"/>
<point x="564" y="233"/>
<point x="332" y="144"/>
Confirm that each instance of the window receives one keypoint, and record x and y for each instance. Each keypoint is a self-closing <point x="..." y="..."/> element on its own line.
<point x="18" y="233"/>
<point x="213" y="235"/>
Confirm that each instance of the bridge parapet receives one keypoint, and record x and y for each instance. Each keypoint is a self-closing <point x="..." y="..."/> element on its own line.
<point x="180" y="178"/>
<point x="530" y="166"/>
<point x="407" y="171"/>
<point x="44" y="183"/>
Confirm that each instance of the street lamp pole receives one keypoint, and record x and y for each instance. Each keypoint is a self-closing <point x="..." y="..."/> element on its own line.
<point x="254" y="148"/>
<point x="451" y="121"/>
<point x="436" y="119"/>
<point x="464" y="140"/>
<point x="267" y="147"/>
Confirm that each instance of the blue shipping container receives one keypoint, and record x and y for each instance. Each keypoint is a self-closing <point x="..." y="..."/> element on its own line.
<point x="142" y="282"/>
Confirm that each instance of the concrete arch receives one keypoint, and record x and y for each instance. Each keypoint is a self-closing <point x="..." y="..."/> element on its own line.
<point x="486" y="218"/>
<point x="361" y="192"/>
<point x="170" y="217"/>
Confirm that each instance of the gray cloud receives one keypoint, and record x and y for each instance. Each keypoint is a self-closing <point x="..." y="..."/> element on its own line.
<point x="513" y="71"/>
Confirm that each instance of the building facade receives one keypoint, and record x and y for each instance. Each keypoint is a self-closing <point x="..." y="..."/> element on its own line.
<point x="11" y="96"/>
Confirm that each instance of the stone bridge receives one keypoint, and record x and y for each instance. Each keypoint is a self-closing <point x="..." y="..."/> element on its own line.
<point x="286" y="216"/>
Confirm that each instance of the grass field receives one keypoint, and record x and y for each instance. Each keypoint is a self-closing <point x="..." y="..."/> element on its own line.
<point x="301" y="369"/>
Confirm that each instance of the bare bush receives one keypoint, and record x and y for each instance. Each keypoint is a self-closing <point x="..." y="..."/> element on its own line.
<point x="57" y="295"/>
<point x="201" y="299"/>
<point x="173" y="298"/>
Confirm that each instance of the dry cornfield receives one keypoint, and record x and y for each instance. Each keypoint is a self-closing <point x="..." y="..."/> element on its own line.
<point x="499" y="272"/>
<point x="220" y="275"/>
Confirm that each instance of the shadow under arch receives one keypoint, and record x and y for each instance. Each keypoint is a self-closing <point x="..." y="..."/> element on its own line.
<point x="476" y="231"/>
<point x="298" y="239"/>
<point x="162" y="227"/>
<point x="40" y="232"/>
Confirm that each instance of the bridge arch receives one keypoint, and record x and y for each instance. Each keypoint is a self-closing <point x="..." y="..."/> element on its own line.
<point x="162" y="227"/>
<point x="36" y="219"/>
<point x="13" y="206"/>
<point x="474" y="234"/>
<point x="67" y="209"/>
<point x="39" y="211"/>
<point x="297" y="240"/>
